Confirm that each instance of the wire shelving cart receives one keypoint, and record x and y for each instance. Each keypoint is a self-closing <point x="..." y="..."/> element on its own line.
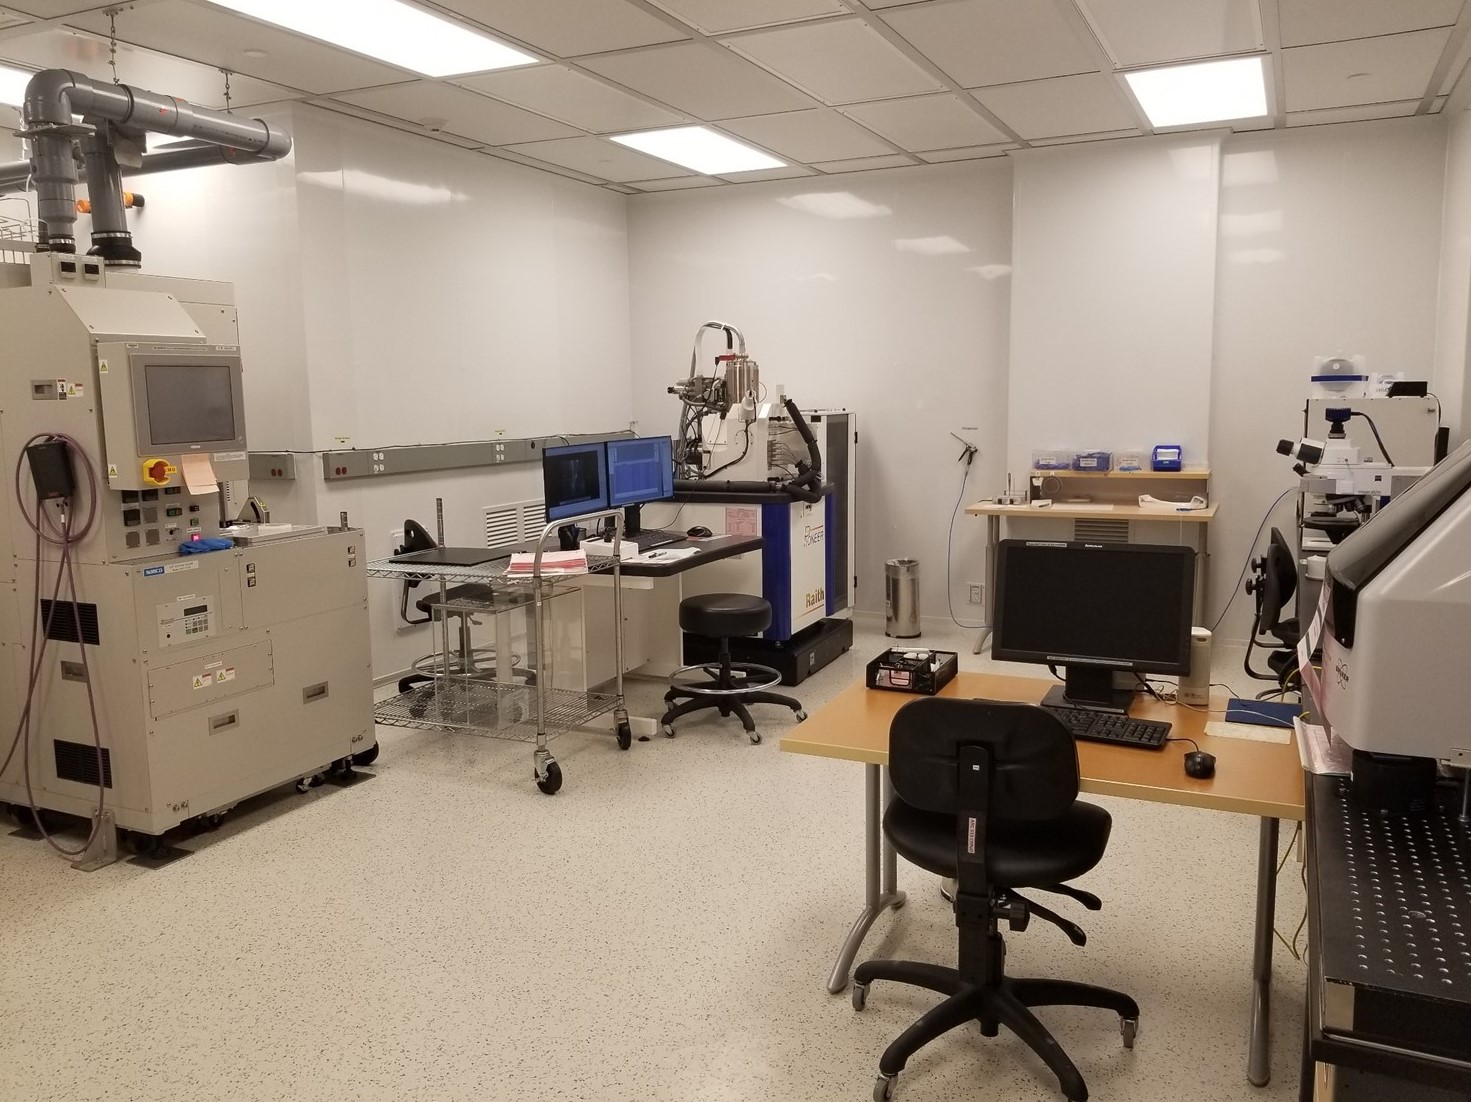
<point x="507" y="702"/>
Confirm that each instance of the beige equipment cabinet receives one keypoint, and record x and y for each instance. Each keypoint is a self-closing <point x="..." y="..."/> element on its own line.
<point x="216" y="676"/>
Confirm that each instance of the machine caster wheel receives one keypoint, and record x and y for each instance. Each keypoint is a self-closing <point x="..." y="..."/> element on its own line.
<point x="146" y="845"/>
<point x="668" y="729"/>
<point x="800" y="714"/>
<point x="306" y="784"/>
<point x="625" y="736"/>
<point x="755" y="737"/>
<point x="367" y="757"/>
<point x="860" y="996"/>
<point x="883" y="1089"/>
<point x="1129" y="1027"/>
<point x="552" y="781"/>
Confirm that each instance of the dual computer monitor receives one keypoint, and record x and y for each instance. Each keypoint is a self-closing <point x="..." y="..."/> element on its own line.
<point x="612" y="474"/>
<point x="1094" y="608"/>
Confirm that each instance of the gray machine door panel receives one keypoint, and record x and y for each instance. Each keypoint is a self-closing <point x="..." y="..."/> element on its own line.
<point x="209" y="678"/>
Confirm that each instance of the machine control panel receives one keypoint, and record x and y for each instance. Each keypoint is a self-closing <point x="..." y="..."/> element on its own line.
<point x="186" y="619"/>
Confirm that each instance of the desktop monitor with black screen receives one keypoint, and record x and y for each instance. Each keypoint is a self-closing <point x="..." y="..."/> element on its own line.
<point x="640" y="469"/>
<point x="575" y="479"/>
<point x="1094" y="608"/>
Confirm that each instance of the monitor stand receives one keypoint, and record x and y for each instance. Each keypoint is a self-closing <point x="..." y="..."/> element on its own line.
<point x="1089" y="687"/>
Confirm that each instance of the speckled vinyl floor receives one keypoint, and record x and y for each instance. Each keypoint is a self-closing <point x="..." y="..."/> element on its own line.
<point x="661" y="930"/>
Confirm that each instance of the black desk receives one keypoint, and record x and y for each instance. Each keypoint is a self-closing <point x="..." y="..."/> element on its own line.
<point x="708" y="550"/>
<point x="1389" y="976"/>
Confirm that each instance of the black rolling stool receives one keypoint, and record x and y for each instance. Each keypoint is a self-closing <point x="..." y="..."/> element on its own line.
<point x="728" y="686"/>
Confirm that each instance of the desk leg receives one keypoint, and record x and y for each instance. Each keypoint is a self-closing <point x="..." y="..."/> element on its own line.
<point x="1259" y="1052"/>
<point x="880" y="873"/>
<point x="988" y="604"/>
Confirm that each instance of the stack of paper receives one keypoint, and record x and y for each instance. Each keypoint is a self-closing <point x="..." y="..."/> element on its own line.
<point x="552" y="562"/>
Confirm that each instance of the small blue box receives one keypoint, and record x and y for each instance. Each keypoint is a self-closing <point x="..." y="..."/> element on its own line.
<point x="1092" y="461"/>
<point x="1166" y="457"/>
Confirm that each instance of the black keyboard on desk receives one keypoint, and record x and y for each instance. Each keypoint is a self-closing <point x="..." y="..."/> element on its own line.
<point x="651" y="538"/>
<point x="1147" y="734"/>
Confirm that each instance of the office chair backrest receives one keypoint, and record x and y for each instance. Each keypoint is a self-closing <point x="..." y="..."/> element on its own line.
<point x="1279" y="581"/>
<point x="1034" y="758"/>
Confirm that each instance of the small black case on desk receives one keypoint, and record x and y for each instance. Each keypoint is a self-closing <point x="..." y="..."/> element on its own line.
<point x="896" y="673"/>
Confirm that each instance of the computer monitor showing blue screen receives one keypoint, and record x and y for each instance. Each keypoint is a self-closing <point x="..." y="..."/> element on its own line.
<point x="1095" y="609"/>
<point x="640" y="469"/>
<point x="575" y="480"/>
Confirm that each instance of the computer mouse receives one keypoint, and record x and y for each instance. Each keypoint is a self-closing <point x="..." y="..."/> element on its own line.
<point x="1200" y="765"/>
<point x="699" y="531"/>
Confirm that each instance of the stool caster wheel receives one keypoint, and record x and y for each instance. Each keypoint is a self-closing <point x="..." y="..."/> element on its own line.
<point x="860" y="996"/>
<point x="1129" y="1027"/>
<point x="883" y="1088"/>
<point x="800" y="714"/>
<point x="667" y="729"/>
<point x="755" y="737"/>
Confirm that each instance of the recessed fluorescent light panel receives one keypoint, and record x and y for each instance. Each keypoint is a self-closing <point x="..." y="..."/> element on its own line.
<point x="699" y="148"/>
<point x="1211" y="91"/>
<point x="13" y="85"/>
<point x="388" y="30"/>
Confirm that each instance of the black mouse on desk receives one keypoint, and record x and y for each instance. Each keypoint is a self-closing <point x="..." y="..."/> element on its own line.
<point x="699" y="532"/>
<point x="1200" y="765"/>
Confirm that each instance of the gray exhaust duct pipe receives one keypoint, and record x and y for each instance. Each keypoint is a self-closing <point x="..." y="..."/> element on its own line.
<point x="55" y="95"/>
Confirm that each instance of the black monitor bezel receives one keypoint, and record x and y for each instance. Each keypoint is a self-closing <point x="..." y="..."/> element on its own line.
<point x="608" y="447"/>
<point x="581" y="509"/>
<point x="1001" y="652"/>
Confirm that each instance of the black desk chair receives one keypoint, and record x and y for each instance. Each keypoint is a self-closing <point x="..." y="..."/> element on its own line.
<point x="1272" y="584"/>
<point x="728" y="686"/>
<point x="986" y="792"/>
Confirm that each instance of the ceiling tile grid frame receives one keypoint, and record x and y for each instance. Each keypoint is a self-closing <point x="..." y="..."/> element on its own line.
<point x="825" y="85"/>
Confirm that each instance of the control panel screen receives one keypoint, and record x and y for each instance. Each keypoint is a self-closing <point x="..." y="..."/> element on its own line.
<point x="190" y="403"/>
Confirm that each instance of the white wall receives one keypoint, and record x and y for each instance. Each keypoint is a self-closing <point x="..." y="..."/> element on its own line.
<point x="1451" y="352"/>
<point x="1329" y="245"/>
<point x="393" y="290"/>
<point x="1113" y="297"/>
<point x="884" y="293"/>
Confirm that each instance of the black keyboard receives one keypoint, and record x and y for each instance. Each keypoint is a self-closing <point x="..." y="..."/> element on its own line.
<point x="651" y="538"/>
<point x="1147" y="734"/>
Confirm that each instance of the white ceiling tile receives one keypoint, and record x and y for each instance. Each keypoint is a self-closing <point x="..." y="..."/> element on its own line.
<point x="718" y="16"/>
<point x="973" y="153"/>
<point x="808" y="136"/>
<point x="83" y="52"/>
<point x="1437" y="103"/>
<point x="51" y="9"/>
<point x="861" y="164"/>
<point x="1308" y="21"/>
<point x="214" y="37"/>
<point x="351" y="109"/>
<point x="981" y="42"/>
<point x="9" y="19"/>
<point x="838" y="61"/>
<point x="786" y="172"/>
<point x="445" y="107"/>
<point x="1086" y="104"/>
<point x="568" y="28"/>
<point x="1148" y="34"/>
<point x="893" y="3"/>
<point x="602" y="158"/>
<point x="927" y="122"/>
<point x="573" y="97"/>
<point x="678" y="183"/>
<point x="708" y="81"/>
<point x="1366" y="70"/>
<point x="1360" y="113"/>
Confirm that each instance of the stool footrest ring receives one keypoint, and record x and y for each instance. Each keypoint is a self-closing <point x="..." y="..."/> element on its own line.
<point x="712" y="670"/>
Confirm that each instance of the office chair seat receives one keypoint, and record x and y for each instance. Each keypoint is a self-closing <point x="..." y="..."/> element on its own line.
<point x="724" y="615"/>
<point x="1018" y="854"/>
<point x="466" y="591"/>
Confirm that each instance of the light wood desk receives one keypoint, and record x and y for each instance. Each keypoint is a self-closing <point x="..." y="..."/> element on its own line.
<point x="994" y="515"/>
<point x="1252" y="778"/>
